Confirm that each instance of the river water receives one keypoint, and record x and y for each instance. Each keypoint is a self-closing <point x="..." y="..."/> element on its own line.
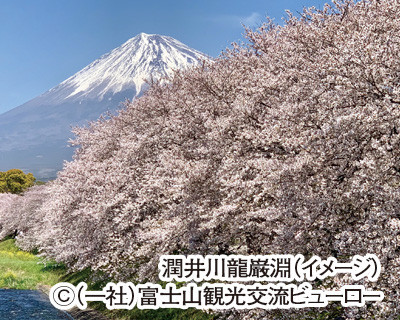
<point x="28" y="305"/>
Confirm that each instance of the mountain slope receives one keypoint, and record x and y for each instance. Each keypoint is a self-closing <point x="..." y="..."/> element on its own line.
<point x="34" y="135"/>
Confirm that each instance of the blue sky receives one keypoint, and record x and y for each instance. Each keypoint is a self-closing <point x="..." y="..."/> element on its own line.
<point x="43" y="42"/>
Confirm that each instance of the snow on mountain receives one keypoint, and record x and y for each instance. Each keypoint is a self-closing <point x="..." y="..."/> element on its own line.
<point x="34" y="135"/>
<point x="127" y="67"/>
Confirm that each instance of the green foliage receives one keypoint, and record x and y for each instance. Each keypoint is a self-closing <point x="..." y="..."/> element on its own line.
<point x="15" y="181"/>
<point x="158" y="314"/>
<point x="23" y="270"/>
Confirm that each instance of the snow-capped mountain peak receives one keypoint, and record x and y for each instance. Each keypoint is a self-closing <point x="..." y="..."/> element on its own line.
<point x="34" y="135"/>
<point x="128" y="66"/>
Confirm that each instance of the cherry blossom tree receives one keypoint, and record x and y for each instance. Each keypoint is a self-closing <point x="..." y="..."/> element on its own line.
<point x="7" y="201"/>
<point x="287" y="144"/>
<point x="22" y="215"/>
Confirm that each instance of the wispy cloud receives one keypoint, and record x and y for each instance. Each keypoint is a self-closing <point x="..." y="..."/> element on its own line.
<point x="47" y="173"/>
<point x="252" y="20"/>
<point x="234" y="21"/>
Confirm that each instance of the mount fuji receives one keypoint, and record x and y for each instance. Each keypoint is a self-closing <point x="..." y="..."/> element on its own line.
<point x="33" y="136"/>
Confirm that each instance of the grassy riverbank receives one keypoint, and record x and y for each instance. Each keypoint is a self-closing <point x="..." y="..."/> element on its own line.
<point x="23" y="270"/>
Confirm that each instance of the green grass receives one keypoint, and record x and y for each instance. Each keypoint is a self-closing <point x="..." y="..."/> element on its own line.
<point x="159" y="314"/>
<point x="23" y="270"/>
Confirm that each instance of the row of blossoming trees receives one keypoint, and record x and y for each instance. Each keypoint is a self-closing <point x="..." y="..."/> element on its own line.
<point x="287" y="144"/>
